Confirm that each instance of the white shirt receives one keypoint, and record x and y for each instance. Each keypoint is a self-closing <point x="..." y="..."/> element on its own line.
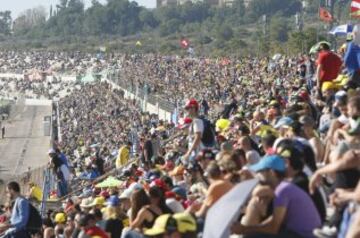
<point x="196" y="127"/>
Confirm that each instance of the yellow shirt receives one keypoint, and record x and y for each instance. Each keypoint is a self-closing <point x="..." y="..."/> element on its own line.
<point x="123" y="157"/>
<point x="36" y="193"/>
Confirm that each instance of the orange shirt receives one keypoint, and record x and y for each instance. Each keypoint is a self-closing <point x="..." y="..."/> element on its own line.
<point x="216" y="190"/>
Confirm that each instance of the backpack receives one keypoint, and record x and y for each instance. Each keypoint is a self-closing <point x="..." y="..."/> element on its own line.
<point x="34" y="223"/>
<point x="208" y="136"/>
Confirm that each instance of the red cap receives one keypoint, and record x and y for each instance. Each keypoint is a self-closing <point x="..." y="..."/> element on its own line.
<point x="159" y="183"/>
<point x="304" y="95"/>
<point x="192" y="103"/>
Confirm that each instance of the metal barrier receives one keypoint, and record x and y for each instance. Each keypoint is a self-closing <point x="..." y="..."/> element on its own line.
<point x="142" y="93"/>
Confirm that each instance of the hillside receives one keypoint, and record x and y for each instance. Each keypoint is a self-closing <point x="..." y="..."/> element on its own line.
<point x="264" y="26"/>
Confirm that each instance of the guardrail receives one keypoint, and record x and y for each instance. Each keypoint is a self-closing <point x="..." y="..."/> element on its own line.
<point x="142" y="93"/>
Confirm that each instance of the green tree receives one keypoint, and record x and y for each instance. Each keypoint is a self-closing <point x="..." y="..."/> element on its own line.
<point x="148" y="18"/>
<point x="225" y="32"/>
<point x="5" y="22"/>
<point x="279" y="29"/>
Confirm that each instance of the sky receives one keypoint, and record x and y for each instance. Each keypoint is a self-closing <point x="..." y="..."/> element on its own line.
<point x="18" y="6"/>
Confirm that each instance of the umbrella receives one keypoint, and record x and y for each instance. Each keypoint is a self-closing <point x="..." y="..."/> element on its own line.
<point x="341" y="30"/>
<point x="226" y="210"/>
<point x="315" y="47"/>
<point x="109" y="182"/>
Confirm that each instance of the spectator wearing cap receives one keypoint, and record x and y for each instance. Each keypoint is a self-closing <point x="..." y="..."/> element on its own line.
<point x="328" y="65"/>
<point x="174" y="226"/>
<point x="294" y="159"/>
<point x="195" y="130"/>
<point x="113" y="217"/>
<point x="98" y="202"/>
<point x="60" y="221"/>
<point x="294" y="213"/>
<point x="123" y="155"/>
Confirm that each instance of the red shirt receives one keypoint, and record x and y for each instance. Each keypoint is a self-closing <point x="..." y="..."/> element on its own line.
<point x="331" y="64"/>
<point x="96" y="231"/>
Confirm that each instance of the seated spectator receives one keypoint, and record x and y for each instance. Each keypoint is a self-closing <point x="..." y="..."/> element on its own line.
<point x="294" y="213"/>
<point x="88" y="227"/>
<point x="218" y="187"/>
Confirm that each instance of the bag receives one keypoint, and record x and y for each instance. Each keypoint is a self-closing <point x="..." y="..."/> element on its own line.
<point x="208" y="136"/>
<point x="34" y="223"/>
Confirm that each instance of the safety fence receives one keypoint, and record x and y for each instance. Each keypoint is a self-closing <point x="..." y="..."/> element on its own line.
<point x="141" y="92"/>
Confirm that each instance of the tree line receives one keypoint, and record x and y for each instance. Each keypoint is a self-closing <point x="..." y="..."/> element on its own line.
<point x="221" y="28"/>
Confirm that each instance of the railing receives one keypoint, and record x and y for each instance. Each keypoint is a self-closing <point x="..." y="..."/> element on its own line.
<point x="142" y="92"/>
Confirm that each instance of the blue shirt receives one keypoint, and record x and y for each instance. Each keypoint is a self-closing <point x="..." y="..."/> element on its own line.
<point x="64" y="159"/>
<point x="20" y="214"/>
<point x="352" y="58"/>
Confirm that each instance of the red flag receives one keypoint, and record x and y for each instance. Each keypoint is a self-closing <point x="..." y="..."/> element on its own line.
<point x="184" y="43"/>
<point x="325" y="15"/>
<point x="355" y="8"/>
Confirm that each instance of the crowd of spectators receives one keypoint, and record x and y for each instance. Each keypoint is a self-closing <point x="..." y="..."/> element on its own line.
<point x="291" y="123"/>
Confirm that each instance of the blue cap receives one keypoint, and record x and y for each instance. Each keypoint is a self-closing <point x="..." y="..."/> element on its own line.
<point x="113" y="201"/>
<point x="284" y="121"/>
<point x="273" y="162"/>
<point x="180" y="191"/>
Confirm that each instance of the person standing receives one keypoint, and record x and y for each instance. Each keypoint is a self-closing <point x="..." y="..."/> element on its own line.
<point x="2" y="131"/>
<point x="61" y="172"/>
<point x="19" y="215"/>
<point x="328" y="65"/>
<point x="196" y="131"/>
<point x="123" y="155"/>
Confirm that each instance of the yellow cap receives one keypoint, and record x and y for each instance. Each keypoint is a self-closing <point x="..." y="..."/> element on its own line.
<point x="60" y="218"/>
<point x="181" y="222"/>
<point x="328" y="86"/>
<point x="98" y="201"/>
